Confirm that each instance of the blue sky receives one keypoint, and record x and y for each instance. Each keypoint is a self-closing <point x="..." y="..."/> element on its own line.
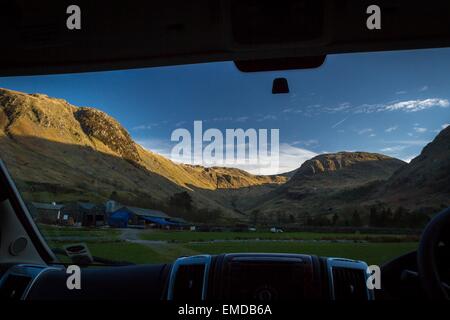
<point x="391" y="102"/>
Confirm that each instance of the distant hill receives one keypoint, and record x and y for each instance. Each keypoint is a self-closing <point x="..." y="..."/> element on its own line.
<point x="321" y="184"/>
<point x="425" y="181"/>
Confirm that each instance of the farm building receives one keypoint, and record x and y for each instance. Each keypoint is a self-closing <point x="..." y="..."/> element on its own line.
<point x="84" y="213"/>
<point x="125" y="216"/>
<point x="49" y="213"/>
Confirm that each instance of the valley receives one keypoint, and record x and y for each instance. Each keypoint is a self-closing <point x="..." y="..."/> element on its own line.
<point x="57" y="152"/>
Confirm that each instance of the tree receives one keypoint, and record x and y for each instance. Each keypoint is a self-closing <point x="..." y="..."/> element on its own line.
<point x="399" y="217"/>
<point x="373" y="217"/>
<point x="114" y="196"/>
<point x="291" y="218"/>
<point x="356" y="219"/>
<point x="335" y="219"/>
<point x="254" y="217"/>
<point x="308" y="220"/>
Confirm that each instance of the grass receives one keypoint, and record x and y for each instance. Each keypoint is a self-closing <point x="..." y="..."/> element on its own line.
<point x="372" y="253"/>
<point x="188" y="236"/>
<point x="60" y="232"/>
<point x="106" y="243"/>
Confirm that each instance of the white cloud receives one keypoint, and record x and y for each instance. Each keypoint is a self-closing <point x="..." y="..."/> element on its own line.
<point x="401" y="92"/>
<point x="307" y="143"/>
<point x="420" y="130"/>
<point x="424" y="88"/>
<point x="393" y="149"/>
<point x="149" y="126"/>
<point x="409" y="142"/>
<point x="218" y="119"/>
<point x="445" y="125"/>
<point x="267" y="117"/>
<point x="144" y="127"/>
<point x="408" y="158"/>
<point x="416" y="105"/>
<point x="159" y="146"/>
<point x="292" y="158"/>
<point x="396" y="105"/>
<point x="390" y="129"/>
<point x="366" y="130"/>
<point x="242" y="119"/>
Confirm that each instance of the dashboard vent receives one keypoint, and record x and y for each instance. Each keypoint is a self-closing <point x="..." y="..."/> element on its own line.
<point x="189" y="283"/>
<point x="14" y="287"/>
<point x="189" y="278"/>
<point x="349" y="284"/>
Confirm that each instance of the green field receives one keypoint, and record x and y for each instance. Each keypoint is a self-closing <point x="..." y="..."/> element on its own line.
<point x="372" y="253"/>
<point x="156" y="246"/>
<point x="189" y="236"/>
<point x="60" y="232"/>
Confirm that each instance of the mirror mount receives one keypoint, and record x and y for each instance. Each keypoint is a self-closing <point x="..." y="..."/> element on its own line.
<point x="280" y="64"/>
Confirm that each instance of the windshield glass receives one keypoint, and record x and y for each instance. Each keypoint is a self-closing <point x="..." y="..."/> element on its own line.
<point x="147" y="165"/>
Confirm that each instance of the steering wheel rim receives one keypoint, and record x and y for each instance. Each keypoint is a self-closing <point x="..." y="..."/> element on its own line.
<point x="427" y="254"/>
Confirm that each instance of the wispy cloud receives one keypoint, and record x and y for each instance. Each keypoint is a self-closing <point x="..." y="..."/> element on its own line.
<point x="393" y="149"/>
<point x="416" y="105"/>
<point x="424" y="88"/>
<point x="390" y="129"/>
<point x="366" y="130"/>
<point x="445" y="125"/>
<point x="337" y="124"/>
<point x="220" y="119"/>
<point x="401" y="92"/>
<point x="420" y="130"/>
<point x="367" y="108"/>
<point x="307" y="143"/>
<point x="242" y="119"/>
<point x="145" y="126"/>
<point x="267" y="117"/>
<point x="149" y="126"/>
<point x="409" y="142"/>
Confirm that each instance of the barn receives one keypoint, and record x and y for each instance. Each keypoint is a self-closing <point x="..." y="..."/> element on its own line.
<point x="84" y="213"/>
<point x="126" y="216"/>
<point x="49" y="213"/>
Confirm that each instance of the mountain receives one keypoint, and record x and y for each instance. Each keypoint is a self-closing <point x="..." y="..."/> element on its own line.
<point x="60" y="152"/>
<point x="425" y="181"/>
<point x="347" y="181"/>
<point x="328" y="183"/>
<point x="56" y="151"/>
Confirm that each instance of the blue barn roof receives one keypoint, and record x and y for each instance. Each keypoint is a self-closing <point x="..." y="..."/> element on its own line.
<point x="162" y="221"/>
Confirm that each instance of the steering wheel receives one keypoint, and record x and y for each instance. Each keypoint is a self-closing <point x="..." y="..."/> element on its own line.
<point x="434" y="241"/>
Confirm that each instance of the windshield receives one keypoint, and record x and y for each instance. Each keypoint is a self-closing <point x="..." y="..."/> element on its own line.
<point x="147" y="165"/>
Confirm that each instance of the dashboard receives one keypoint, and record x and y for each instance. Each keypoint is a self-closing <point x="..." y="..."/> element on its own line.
<point x="213" y="278"/>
